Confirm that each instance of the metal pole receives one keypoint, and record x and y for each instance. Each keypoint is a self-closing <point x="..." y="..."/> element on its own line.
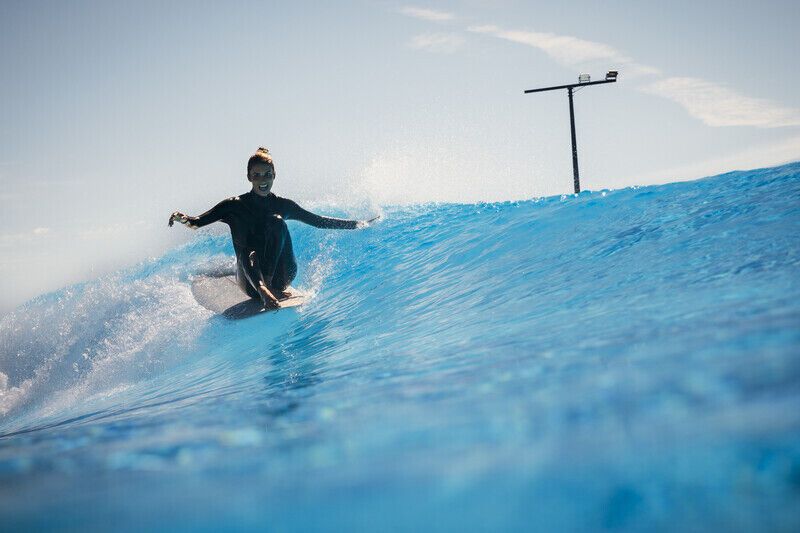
<point x="576" y="178"/>
<point x="611" y="77"/>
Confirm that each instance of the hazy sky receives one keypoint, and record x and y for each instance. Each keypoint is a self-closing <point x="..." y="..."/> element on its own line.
<point x="114" y="114"/>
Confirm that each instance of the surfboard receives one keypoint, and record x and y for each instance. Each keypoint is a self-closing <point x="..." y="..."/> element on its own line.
<point x="222" y="295"/>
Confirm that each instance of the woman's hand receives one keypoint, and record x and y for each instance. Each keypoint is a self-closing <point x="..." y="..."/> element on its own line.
<point x="267" y="298"/>
<point x="366" y="223"/>
<point x="177" y="216"/>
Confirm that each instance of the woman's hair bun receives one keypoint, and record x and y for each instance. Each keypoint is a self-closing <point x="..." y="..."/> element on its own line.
<point x="262" y="155"/>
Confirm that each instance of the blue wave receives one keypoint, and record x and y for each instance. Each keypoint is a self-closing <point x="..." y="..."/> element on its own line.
<point x="621" y="358"/>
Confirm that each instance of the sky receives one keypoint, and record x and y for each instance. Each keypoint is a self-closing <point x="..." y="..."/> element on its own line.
<point x="114" y="114"/>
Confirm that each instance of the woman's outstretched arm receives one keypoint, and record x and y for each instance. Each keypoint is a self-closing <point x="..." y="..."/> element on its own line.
<point x="212" y="215"/>
<point x="295" y="212"/>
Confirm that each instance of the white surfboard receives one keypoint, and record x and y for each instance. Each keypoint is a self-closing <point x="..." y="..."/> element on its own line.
<point x="223" y="296"/>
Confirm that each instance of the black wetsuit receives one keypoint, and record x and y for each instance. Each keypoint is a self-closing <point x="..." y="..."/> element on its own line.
<point x="261" y="239"/>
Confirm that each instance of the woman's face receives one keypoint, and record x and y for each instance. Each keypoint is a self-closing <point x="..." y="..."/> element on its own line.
<point x="262" y="176"/>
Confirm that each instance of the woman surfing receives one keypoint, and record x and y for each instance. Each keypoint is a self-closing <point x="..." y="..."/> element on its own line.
<point x="265" y="262"/>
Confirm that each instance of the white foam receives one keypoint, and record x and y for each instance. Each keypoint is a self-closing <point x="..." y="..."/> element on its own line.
<point x="319" y="268"/>
<point x="90" y="342"/>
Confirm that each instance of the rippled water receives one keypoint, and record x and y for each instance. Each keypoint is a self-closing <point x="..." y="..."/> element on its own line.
<point x="621" y="359"/>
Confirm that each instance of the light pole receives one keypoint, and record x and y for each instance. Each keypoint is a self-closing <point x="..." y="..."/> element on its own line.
<point x="583" y="81"/>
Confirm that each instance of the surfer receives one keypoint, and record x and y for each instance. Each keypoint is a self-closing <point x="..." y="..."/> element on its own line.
<point x="265" y="262"/>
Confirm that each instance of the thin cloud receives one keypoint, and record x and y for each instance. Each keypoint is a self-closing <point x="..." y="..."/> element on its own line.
<point x="718" y="106"/>
<point x="427" y="14"/>
<point x="713" y="104"/>
<point x="443" y="43"/>
<point x="567" y="50"/>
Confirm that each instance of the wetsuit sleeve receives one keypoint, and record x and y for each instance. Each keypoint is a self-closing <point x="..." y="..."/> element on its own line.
<point x="216" y="213"/>
<point x="293" y="211"/>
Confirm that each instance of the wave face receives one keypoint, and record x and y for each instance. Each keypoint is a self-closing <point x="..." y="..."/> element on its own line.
<point x="618" y="359"/>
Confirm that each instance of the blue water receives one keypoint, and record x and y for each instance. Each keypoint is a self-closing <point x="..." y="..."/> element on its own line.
<point x="623" y="360"/>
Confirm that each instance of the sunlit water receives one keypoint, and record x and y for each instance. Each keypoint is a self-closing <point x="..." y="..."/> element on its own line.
<point x="623" y="359"/>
